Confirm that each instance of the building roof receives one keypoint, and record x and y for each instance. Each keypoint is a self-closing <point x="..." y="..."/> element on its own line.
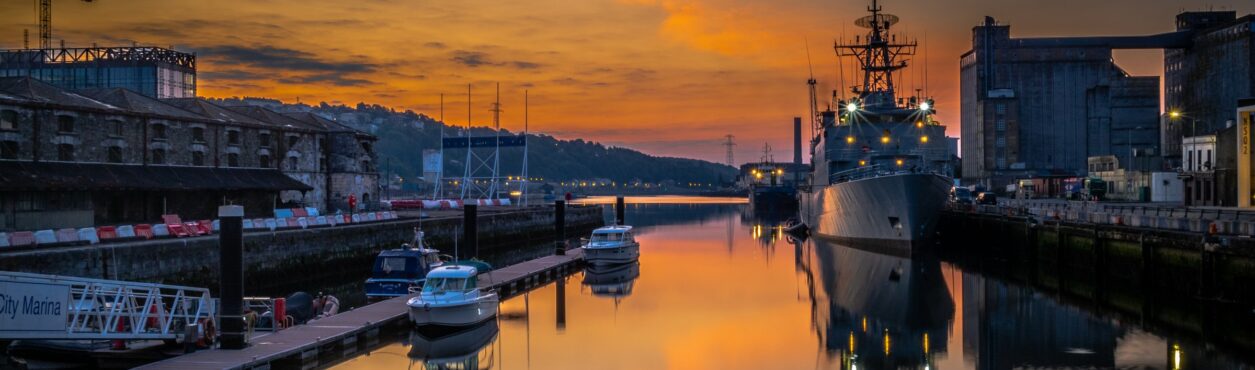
<point x="136" y="102"/>
<point x="22" y="175"/>
<point x="213" y="111"/>
<point x="274" y="119"/>
<point x="33" y="90"/>
<point x="316" y="120"/>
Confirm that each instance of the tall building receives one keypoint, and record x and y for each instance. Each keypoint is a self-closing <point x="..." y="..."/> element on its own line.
<point x="151" y="71"/>
<point x="1043" y="106"/>
<point x="1204" y="79"/>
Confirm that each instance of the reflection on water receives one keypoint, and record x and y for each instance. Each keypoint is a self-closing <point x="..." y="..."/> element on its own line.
<point x="718" y="287"/>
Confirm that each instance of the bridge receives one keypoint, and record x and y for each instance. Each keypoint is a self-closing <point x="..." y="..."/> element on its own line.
<point x="38" y="306"/>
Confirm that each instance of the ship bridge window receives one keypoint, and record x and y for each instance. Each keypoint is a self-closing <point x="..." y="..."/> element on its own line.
<point x="440" y="285"/>
<point x="614" y="237"/>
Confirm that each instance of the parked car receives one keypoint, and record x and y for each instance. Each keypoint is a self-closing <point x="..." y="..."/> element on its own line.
<point x="961" y="195"/>
<point x="987" y="198"/>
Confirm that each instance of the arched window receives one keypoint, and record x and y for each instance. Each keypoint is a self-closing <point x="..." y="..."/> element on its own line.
<point x="198" y="158"/>
<point x="159" y="131"/>
<point x="118" y="127"/>
<point x="115" y="154"/>
<point x="264" y="161"/>
<point x="233" y="137"/>
<point x="65" y="152"/>
<point x="158" y="156"/>
<point x="365" y="166"/>
<point x="233" y="160"/>
<point x="198" y="134"/>
<point x="65" y="124"/>
<point x="265" y="139"/>
<point x="8" y="119"/>
<point x="292" y="140"/>
<point x="292" y="163"/>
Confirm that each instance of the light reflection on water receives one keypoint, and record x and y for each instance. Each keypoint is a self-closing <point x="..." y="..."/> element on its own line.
<point x="719" y="288"/>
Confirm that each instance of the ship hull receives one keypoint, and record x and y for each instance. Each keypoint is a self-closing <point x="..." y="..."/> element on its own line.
<point x="893" y="214"/>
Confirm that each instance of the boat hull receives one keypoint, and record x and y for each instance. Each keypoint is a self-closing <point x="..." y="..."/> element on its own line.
<point x="609" y="256"/>
<point x="894" y="213"/>
<point x="460" y="315"/>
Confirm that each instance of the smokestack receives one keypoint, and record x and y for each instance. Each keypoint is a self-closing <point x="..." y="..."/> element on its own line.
<point x="797" y="140"/>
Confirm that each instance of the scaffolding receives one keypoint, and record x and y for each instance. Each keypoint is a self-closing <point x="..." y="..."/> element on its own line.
<point x="482" y="176"/>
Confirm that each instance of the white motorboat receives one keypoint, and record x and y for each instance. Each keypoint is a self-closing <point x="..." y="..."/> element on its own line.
<point x="451" y="298"/>
<point x="612" y="245"/>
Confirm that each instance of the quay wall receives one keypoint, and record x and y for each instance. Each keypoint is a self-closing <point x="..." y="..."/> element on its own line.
<point x="272" y="256"/>
<point x="1189" y="263"/>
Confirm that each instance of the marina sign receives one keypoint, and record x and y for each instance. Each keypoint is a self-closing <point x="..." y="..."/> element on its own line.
<point x="31" y="306"/>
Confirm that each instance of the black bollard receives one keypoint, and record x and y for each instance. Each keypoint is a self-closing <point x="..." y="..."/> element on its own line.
<point x="231" y="283"/>
<point x="559" y="227"/>
<point x="618" y="210"/>
<point x="470" y="232"/>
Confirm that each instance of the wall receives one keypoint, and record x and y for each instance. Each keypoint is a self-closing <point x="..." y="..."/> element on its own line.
<point x="273" y="255"/>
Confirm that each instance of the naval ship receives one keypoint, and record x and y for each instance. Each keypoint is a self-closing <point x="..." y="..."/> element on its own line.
<point x="881" y="169"/>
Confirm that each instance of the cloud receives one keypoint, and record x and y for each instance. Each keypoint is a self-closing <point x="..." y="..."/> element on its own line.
<point x="333" y="79"/>
<point x="436" y="45"/>
<point x="475" y="59"/>
<point x="269" y="57"/>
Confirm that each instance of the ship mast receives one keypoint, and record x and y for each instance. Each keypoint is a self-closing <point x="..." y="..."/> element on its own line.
<point x="878" y="57"/>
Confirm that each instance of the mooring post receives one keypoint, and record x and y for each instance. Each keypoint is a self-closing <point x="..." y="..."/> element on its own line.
<point x="470" y="228"/>
<point x="231" y="283"/>
<point x="559" y="227"/>
<point x="561" y="319"/>
<point x="618" y="210"/>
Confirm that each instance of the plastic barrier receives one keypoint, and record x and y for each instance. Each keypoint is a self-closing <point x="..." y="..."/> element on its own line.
<point x="216" y="225"/>
<point x="45" y="237"/>
<point x="357" y="218"/>
<point x="144" y="231"/>
<point x="272" y="224"/>
<point x="66" y="236"/>
<point x="320" y="220"/>
<point x="281" y="223"/>
<point x="107" y="232"/>
<point x="89" y="235"/>
<point x="22" y="238"/>
<point x="246" y="224"/>
<point x="283" y="213"/>
<point x="160" y="230"/>
<point x="4" y="240"/>
<point x="126" y="231"/>
<point x="311" y="211"/>
<point x="303" y="222"/>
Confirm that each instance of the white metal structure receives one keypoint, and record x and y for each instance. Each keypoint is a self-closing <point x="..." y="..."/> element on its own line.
<point x="37" y="306"/>
<point x="481" y="177"/>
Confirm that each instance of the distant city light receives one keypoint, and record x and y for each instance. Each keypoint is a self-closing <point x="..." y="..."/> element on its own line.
<point x="899" y="162"/>
<point x="849" y="140"/>
<point x="1174" y="114"/>
<point x="884" y="139"/>
<point x="923" y="139"/>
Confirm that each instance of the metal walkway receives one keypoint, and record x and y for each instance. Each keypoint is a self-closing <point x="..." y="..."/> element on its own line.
<point x="37" y="306"/>
<point x="299" y="346"/>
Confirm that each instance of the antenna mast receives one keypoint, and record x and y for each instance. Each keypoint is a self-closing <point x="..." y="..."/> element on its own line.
<point x="730" y="144"/>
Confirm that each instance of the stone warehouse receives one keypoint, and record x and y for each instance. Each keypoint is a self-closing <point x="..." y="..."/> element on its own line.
<point x="110" y="155"/>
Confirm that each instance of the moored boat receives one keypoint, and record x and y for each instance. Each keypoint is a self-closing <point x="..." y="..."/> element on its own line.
<point x="612" y="245"/>
<point x="451" y="298"/>
<point x="398" y="271"/>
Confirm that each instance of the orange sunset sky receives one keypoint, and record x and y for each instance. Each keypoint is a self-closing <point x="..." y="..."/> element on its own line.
<point x="668" y="77"/>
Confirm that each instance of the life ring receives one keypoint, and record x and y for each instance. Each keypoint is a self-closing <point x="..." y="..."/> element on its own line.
<point x="208" y="333"/>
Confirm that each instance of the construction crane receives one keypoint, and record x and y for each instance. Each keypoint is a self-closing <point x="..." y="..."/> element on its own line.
<point x="45" y="23"/>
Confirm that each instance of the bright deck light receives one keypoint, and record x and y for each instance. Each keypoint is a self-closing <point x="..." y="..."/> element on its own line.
<point x="849" y="140"/>
<point x="851" y="107"/>
<point x="924" y="106"/>
<point x="923" y="139"/>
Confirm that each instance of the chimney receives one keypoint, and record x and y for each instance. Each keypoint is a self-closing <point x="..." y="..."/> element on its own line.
<point x="797" y="140"/>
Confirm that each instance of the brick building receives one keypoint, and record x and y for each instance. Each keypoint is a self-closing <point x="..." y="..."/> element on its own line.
<point x="111" y="155"/>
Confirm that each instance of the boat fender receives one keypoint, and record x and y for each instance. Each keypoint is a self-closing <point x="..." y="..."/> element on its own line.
<point x="208" y="333"/>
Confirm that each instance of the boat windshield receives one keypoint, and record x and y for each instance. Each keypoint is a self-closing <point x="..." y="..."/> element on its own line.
<point x="609" y="237"/>
<point x="394" y="267"/>
<point x="431" y="259"/>
<point x="440" y="285"/>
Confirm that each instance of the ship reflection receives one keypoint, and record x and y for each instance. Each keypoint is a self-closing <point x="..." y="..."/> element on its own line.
<point x="465" y="349"/>
<point x="614" y="281"/>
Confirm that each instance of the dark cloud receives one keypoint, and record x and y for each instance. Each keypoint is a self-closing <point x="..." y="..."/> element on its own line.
<point x="333" y="79"/>
<point x="436" y="45"/>
<point x="475" y="59"/>
<point x="269" y="57"/>
<point x="228" y="75"/>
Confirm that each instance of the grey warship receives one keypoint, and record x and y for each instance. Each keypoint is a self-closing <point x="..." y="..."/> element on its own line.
<point x="881" y="167"/>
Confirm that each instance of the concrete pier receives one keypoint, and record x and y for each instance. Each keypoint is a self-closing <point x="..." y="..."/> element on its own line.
<point x="300" y="346"/>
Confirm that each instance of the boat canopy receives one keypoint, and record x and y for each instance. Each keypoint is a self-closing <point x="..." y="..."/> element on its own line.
<point x="617" y="229"/>
<point x="453" y="272"/>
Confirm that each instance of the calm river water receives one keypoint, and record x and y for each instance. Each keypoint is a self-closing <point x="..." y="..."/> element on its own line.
<point x="718" y="287"/>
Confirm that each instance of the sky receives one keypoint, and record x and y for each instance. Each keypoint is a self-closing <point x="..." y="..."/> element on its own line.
<point x="667" y="77"/>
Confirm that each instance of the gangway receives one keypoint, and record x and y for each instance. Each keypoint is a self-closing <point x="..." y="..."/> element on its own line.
<point x="38" y="306"/>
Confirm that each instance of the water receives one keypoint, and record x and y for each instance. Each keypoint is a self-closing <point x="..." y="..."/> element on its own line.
<point x="719" y="288"/>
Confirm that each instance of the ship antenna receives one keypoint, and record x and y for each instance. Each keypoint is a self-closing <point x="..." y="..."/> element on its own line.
<point x="811" y="84"/>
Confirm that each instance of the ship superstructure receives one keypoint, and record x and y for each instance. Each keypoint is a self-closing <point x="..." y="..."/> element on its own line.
<point x="881" y="162"/>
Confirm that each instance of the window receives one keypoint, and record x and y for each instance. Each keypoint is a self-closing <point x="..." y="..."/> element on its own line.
<point x="159" y="131"/>
<point x="198" y="158"/>
<point x="291" y="163"/>
<point x="8" y="150"/>
<point x="265" y="139"/>
<point x="1000" y="109"/>
<point x="65" y="152"/>
<point x="365" y="166"/>
<point x="159" y="156"/>
<point x="439" y="285"/>
<point x="115" y="154"/>
<point x="233" y="160"/>
<point x="292" y="140"/>
<point x="264" y="161"/>
<point x="198" y="134"/>
<point x="118" y="126"/>
<point x="1000" y="142"/>
<point x="366" y="146"/>
<point x="8" y="120"/>
<point x="233" y="137"/>
<point x="1001" y="125"/>
<point x="65" y="124"/>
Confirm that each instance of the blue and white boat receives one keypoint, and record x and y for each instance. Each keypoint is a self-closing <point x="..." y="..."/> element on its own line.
<point x="451" y="298"/>
<point x="398" y="271"/>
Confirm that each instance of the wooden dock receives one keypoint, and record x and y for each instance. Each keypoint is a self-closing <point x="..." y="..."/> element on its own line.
<point x="300" y="345"/>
